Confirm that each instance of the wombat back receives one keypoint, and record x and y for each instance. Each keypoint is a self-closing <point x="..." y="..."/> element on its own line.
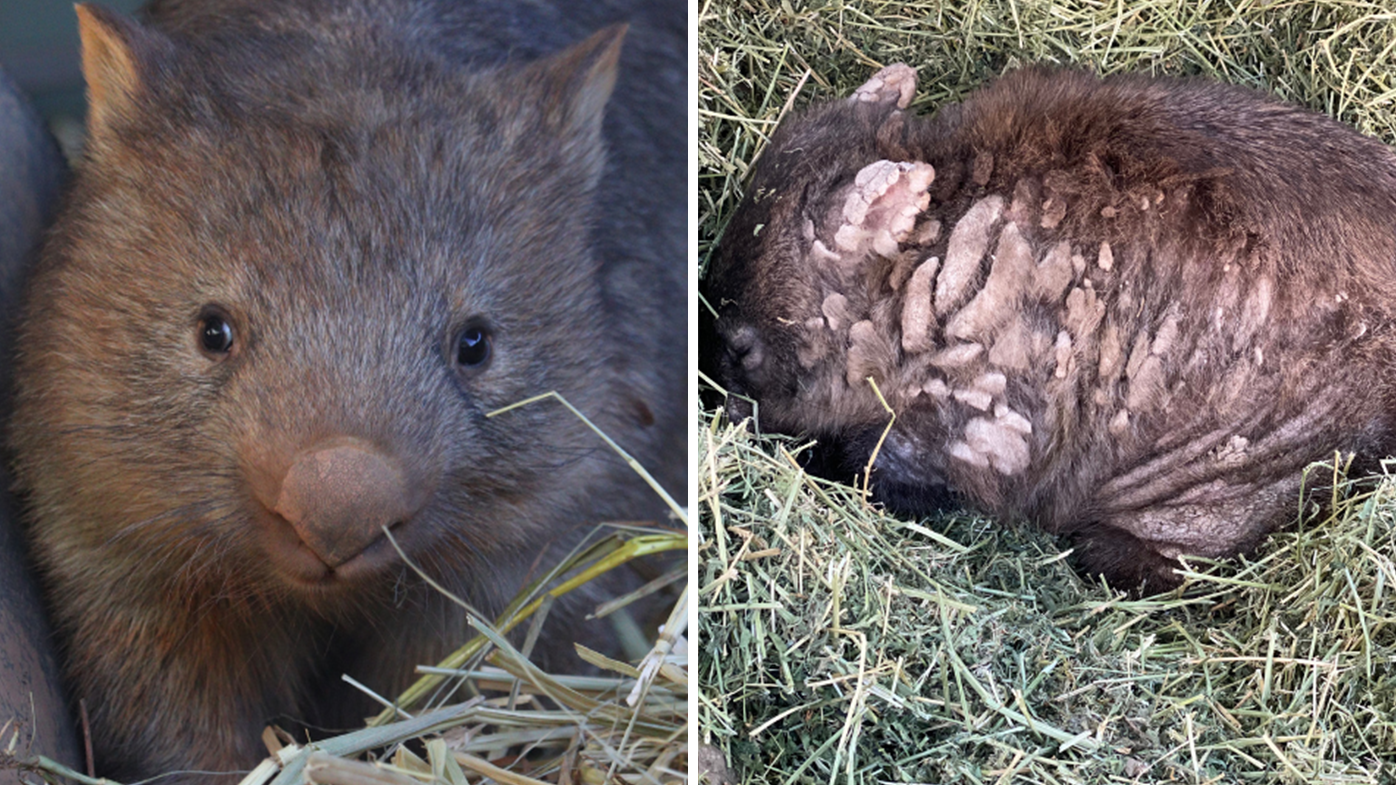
<point x="1129" y="309"/>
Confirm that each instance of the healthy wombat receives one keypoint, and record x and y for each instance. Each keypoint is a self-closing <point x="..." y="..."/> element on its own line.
<point x="311" y="245"/>
<point x="1131" y="309"/>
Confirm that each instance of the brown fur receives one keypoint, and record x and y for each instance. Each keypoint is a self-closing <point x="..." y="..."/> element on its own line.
<point x="1205" y="307"/>
<point x="351" y="183"/>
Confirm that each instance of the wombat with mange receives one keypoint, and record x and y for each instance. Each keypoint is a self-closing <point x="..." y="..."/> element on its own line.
<point x="311" y="244"/>
<point x="33" y="715"/>
<point x="1130" y="309"/>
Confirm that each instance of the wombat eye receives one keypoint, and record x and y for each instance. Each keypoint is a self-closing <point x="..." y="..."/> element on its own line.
<point x="215" y="333"/>
<point x="473" y="347"/>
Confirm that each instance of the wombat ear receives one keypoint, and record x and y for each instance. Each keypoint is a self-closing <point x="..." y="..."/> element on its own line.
<point x="578" y="81"/>
<point x="891" y="87"/>
<point x="114" y="51"/>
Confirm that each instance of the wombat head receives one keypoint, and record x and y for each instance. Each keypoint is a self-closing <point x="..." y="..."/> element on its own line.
<point x="824" y="202"/>
<point x="285" y="297"/>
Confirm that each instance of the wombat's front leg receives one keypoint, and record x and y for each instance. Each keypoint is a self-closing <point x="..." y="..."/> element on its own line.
<point x="1126" y="561"/>
<point x="164" y="699"/>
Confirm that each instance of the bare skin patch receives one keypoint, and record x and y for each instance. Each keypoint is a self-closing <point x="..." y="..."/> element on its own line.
<point x="969" y="241"/>
<point x="1145" y="385"/>
<point x="997" y="301"/>
<point x="1023" y="209"/>
<point x="1111" y="354"/>
<point x="983" y="391"/>
<point x="1013" y="421"/>
<point x="835" y="309"/>
<point x="813" y="347"/>
<point x="983" y="168"/>
<point x="1167" y="334"/>
<point x="1003" y="446"/>
<point x="992" y="382"/>
<point x="962" y="451"/>
<point x="1106" y="258"/>
<point x="821" y="253"/>
<point x="1137" y="354"/>
<point x="1234" y="452"/>
<point x="1010" y="349"/>
<point x="1254" y="312"/>
<point x="927" y="233"/>
<point x="976" y="398"/>
<point x="918" y="310"/>
<point x="1053" y="273"/>
<point x="880" y="210"/>
<point x="868" y="354"/>
<point x="1084" y="310"/>
<point x="957" y="356"/>
<point x="1063" y="354"/>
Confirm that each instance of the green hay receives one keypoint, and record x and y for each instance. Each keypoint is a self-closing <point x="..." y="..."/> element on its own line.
<point x="838" y="644"/>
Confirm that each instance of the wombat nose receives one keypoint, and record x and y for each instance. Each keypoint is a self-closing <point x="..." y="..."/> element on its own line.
<point x="339" y="497"/>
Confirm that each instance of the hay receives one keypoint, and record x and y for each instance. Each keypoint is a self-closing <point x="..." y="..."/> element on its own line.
<point x="837" y="644"/>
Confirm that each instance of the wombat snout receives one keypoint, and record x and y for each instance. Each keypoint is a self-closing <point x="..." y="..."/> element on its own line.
<point x="338" y="497"/>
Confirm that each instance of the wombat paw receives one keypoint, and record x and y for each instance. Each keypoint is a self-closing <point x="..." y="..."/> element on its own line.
<point x="880" y="211"/>
<point x="896" y="82"/>
<point x="1127" y="562"/>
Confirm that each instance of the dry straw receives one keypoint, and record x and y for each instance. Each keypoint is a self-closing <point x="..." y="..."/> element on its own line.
<point x="837" y="644"/>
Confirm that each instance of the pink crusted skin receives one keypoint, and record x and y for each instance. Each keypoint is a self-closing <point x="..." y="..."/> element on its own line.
<point x="1130" y="310"/>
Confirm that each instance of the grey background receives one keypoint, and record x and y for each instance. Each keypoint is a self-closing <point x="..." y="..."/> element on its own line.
<point x="39" y="50"/>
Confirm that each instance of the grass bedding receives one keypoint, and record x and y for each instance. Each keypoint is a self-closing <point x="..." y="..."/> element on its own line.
<point x="838" y="644"/>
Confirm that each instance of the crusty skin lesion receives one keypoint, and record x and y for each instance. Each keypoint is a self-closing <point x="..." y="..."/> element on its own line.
<point x="1127" y="309"/>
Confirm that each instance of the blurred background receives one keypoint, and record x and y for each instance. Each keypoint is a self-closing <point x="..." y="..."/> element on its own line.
<point x="39" y="50"/>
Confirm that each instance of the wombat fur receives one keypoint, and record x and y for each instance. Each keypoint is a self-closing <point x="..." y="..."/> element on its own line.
<point x="31" y="699"/>
<point x="311" y="244"/>
<point x="1128" y="309"/>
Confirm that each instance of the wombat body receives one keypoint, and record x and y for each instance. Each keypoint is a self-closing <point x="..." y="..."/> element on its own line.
<point x="312" y="244"/>
<point x="31" y="170"/>
<point x="1130" y="309"/>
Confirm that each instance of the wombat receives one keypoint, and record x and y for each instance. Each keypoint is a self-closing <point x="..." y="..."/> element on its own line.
<point x="1128" y="309"/>
<point x="312" y="243"/>
<point x="32" y="710"/>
